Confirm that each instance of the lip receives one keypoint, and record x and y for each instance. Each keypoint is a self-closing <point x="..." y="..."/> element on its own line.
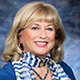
<point x="41" y="43"/>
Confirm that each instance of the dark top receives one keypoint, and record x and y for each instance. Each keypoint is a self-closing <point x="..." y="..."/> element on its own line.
<point x="7" y="72"/>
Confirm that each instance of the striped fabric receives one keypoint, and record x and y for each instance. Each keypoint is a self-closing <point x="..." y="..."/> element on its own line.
<point x="24" y="72"/>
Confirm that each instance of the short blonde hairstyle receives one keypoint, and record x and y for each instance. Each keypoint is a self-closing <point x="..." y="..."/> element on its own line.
<point x="30" y="12"/>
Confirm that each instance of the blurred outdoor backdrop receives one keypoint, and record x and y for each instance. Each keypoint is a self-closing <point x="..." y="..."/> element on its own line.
<point x="69" y="11"/>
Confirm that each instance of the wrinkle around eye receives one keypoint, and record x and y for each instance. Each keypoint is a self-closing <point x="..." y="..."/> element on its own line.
<point x="49" y="29"/>
<point x="35" y="28"/>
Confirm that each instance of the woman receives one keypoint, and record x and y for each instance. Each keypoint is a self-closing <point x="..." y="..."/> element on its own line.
<point x="34" y="45"/>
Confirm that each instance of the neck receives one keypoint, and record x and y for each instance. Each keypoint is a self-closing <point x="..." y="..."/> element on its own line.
<point x="41" y="56"/>
<point x="42" y="71"/>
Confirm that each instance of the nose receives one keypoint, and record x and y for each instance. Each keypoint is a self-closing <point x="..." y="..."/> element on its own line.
<point x="43" y="34"/>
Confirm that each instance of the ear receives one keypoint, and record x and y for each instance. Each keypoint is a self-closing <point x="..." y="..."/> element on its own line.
<point x="20" y="39"/>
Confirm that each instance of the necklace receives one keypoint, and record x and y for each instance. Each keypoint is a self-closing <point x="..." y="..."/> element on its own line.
<point x="39" y="75"/>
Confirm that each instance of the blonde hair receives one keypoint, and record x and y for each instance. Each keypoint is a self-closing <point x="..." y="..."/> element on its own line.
<point x="28" y="13"/>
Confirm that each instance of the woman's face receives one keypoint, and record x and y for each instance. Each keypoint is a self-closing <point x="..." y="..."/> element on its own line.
<point x="38" y="38"/>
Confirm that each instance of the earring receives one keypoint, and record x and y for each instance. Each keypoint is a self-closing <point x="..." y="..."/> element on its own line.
<point x="21" y="45"/>
<point x="59" y="49"/>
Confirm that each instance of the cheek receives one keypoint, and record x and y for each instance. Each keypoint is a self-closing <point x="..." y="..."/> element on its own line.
<point x="52" y="40"/>
<point x="31" y="36"/>
<point x="51" y="37"/>
<point x="28" y="36"/>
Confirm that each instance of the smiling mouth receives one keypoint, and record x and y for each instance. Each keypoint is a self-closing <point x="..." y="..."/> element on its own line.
<point x="41" y="43"/>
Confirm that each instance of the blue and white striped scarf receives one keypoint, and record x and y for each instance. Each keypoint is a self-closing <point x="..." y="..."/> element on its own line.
<point x="24" y="72"/>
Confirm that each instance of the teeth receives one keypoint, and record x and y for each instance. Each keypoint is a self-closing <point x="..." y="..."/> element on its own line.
<point x="40" y="43"/>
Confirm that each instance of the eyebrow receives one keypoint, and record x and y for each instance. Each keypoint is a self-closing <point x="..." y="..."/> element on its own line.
<point x="50" y="24"/>
<point x="35" y="24"/>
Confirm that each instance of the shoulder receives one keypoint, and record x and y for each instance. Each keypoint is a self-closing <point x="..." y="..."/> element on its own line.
<point x="68" y="70"/>
<point x="7" y="72"/>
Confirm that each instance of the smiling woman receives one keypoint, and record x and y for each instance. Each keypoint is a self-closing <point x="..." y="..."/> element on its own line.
<point x="34" y="45"/>
<point x="38" y="38"/>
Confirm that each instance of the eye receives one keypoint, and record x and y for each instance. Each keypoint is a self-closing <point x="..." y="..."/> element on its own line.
<point x="49" y="29"/>
<point x="35" y="28"/>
